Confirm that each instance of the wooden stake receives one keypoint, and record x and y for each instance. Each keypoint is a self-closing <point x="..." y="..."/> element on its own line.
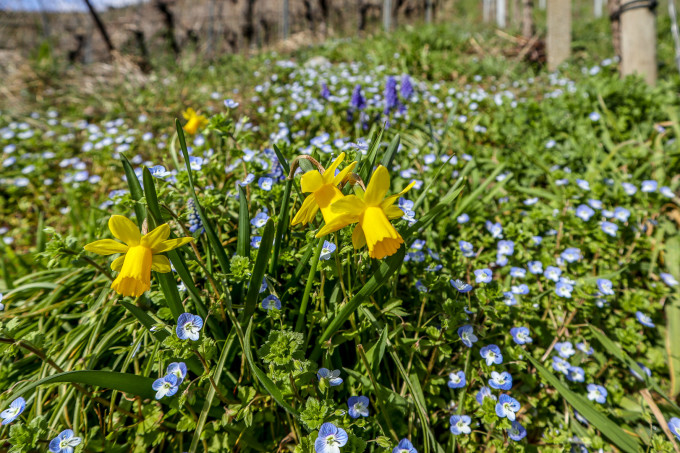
<point x="527" y="18"/>
<point x="559" y="32"/>
<point x="597" y="8"/>
<point x="285" y="30"/>
<point x="387" y="15"/>
<point x="638" y="43"/>
<point x="500" y="13"/>
<point x="486" y="10"/>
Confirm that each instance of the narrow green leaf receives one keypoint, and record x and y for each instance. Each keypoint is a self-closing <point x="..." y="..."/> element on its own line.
<point x="135" y="189"/>
<point x="243" y="242"/>
<point x="267" y="383"/>
<point x="282" y="226"/>
<point x="607" y="427"/>
<point x="672" y="335"/>
<point x="391" y="151"/>
<point x="368" y="162"/>
<point x="377" y="351"/>
<point x="146" y="320"/>
<point x="258" y="271"/>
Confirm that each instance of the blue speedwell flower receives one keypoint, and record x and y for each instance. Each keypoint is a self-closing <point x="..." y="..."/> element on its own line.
<point x="584" y="212"/>
<point x="15" y="409"/>
<point x="518" y="272"/>
<point x="667" y="279"/>
<point x="467" y="335"/>
<point x="535" y="267"/>
<point x="188" y="326"/>
<point x="65" y="442"/>
<point x="265" y="183"/>
<point x="165" y="386"/>
<point x="521" y="335"/>
<point x="674" y="426"/>
<point x="179" y="369"/>
<point x="516" y="431"/>
<point x="460" y="424"/>
<point x="496" y="229"/>
<point x="461" y="286"/>
<point x="404" y="446"/>
<point x="507" y="406"/>
<point x="649" y="186"/>
<point x="506" y="247"/>
<point x="358" y="406"/>
<point x="333" y="377"/>
<point x="610" y="228"/>
<point x="330" y="439"/>
<point x="565" y="350"/>
<point x="552" y="273"/>
<point x="502" y="381"/>
<point x="629" y="188"/>
<point x="467" y="249"/>
<point x="484" y="392"/>
<point x="576" y="374"/>
<point x="327" y="250"/>
<point x="644" y="319"/>
<point x="571" y="255"/>
<point x="271" y="302"/>
<point x="597" y="393"/>
<point x="605" y="286"/>
<point x="492" y="354"/>
<point x="259" y="220"/>
<point x="563" y="289"/>
<point x="456" y="380"/>
<point x="483" y="275"/>
<point x="520" y="289"/>
<point x="561" y="365"/>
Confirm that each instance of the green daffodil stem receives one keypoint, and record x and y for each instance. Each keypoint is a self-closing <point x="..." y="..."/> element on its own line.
<point x="378" y="394"/>
<point x="308" y="287"/>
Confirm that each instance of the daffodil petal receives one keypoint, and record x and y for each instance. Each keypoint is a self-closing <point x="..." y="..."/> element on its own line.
<point x="155" y="237"/>
<point x="329" y="174"/>
<point x="106" y="247"/>
<point x="307" y="211"/>
<point x="343" y="173"/>
<point x="336" y="224"/>
<point x="392" y="198"/>
<point x="311" y="181"/>
<point x="351" y="204"/>
<point x="393" y="212"/>
<point x="358" y="237"/>
<point x="171" y="244"/>
<point x="377" y="187"/>
<point x="117" y="264"/>
<point x="125" y="230"/>
<point x="160" y="263"/>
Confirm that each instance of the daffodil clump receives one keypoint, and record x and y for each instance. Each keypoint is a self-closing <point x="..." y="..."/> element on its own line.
<point x="140" y="254"/>
<point x="194" y="121"/>
<point x="370" y="209"/>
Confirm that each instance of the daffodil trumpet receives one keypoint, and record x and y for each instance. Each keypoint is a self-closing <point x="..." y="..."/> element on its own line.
<point x="322" y="186"/>
<point x="373" y="212"/>
<point x="140" y="254"/>
<point x="194" y="121"/>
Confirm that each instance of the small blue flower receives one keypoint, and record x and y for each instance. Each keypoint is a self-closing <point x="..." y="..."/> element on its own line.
<point x="609" y="228"/>
<point x="571" y="254"/>
<point x="165" y="386"/>
<point x="563" y="289"/>
<point x="501" y="260"/>
<point x="509" y="298"/>
<point x="179" y="369"/>
<point x="502" y="381"/>
<point x="492" y="354"/>
<point x="330" y="439"/>
<point x="535" y="267"/>
<point x="467" y="249"/>
<point x="357" y="101"/>
<point x="576" y="374"/>
<point x="518" y="272"/>
<point x="667" y="279"/>
<point x="522" y="289"/>
<point x="255" y="242"/>
<point x="516" y="431"/>
<point x="552" y="273"/>
<point x="463" y="218"/>
<point x="327" y="250"/>
<point x="230" y="103"/>
<point x="584" y="212"/>
<point x="674" y="426"/>
<point x="483" y="275"/>
<point x="460" y="424"/>
<point x="484" y="392"/>
<point x="404" y="446"/>
<point x="421" y="287"/>
<point x="461" y="286"/>
<point x="259" y="220"/>
<point x="507" y="406"/>
<point x="456" y="380"/>
<point x="521" y="335"/>
<point x="506" y="247"/>
<point x="594" y="116"/>
<point x="644" y="319"/>
<point x="188" y="326"/>
<point x="629" y="188"/>
<point x="583" y="184"/>
<point x="667" y="192"/>
<point x="565" y="350"/>
<point x="605" y="286"/>
<point x="597" y="393"/>
<point x="560" y="365"/>
<point x="495" y="229"/>
<point x="467" y="336"/>
<point x="358" y="406"/>
<point x="65" y="442"/>
<point x="649" y="186"/>
<point x="587" y="350"/>
<point x="537" y="240"/>
<point x="390" y="94"/>
<point x="333" y="377"/>
<point x="15" y="409"/>
<point x="271" y="302"/>
<point x="265" y="183"/>
<point x="595" y="204"/>
<point x="621" y="214"/>
<point x="159" y="171"/>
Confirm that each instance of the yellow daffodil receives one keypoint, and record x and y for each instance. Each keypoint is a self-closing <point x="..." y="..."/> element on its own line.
<point x="140" y="255"/>
<point x="373" y="212"/>
<point x="324" y="191"/>
<point x="194" y="121"/>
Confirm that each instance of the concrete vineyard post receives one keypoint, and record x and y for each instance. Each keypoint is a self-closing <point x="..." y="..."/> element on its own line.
<point x="559" y="32"/>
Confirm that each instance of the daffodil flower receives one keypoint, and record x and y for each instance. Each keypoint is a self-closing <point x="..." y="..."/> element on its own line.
<point x="194" y="121"/>
<point x="373" y="212"/>
<point x="324" y="192"/>
<point x="141" y="254"/>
